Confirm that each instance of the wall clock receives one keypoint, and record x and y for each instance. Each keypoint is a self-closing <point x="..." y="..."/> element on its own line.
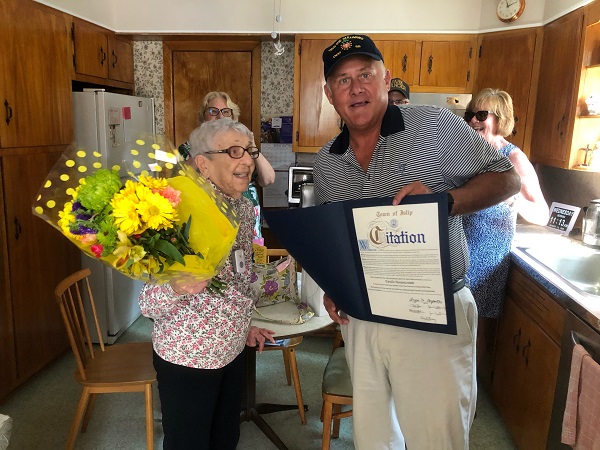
<point x="510" y="10"/>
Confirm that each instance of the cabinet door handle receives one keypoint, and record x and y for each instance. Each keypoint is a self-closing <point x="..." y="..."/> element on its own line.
<point x="430" y="64"/>
<point x="102" y="56"/>
<point x="516" y="340"/>
<point x="114" y="63"/>
<point x="8" y="111"/>
<point x="559" y="126"/>
<point x="18" y="228"/>
<point x="404" y="63"/>
<point x="525" y="351"/>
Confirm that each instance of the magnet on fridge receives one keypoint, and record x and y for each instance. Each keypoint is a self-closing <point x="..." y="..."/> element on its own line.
<point x="126" y="111"/>
<point x="113" y="116"/>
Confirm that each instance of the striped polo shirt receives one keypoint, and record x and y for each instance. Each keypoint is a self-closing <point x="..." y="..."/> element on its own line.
<point x="416" y="143"/>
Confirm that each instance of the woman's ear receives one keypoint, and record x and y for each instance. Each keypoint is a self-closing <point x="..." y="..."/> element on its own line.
<point x="203" y="164"/>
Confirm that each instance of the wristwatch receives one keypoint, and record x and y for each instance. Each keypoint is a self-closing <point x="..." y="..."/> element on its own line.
<point x="450" y="203"/>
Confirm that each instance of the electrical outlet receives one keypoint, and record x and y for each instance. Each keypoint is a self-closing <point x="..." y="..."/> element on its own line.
<point x="452" y="101"/>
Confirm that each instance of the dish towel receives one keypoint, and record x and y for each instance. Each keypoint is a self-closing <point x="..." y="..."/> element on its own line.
<point x="582" y="412"/>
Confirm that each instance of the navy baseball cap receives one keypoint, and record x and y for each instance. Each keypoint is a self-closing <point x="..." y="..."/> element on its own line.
<point x="353" y="44"/>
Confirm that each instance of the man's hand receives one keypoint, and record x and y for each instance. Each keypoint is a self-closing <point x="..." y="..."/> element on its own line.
<point x="332" y="310"/>
<point x="258" y="336"/>
<point x="414" y="188"/>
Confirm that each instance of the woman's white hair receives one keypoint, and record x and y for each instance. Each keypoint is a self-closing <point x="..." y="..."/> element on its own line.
<point x="202" y="138"/>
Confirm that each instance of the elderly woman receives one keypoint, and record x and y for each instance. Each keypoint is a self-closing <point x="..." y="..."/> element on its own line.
<point x="490" y="232"/>
<point x="217" y="105"/>
<point x="199" y="336"/>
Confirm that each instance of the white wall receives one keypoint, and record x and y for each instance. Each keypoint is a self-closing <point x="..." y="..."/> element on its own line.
<point x="556" y="8"/>
<point x="306" y="16"/>
<point x="256" y="16"/>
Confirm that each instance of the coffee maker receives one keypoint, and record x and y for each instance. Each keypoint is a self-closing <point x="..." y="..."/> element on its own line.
<point x="591" y="224"/>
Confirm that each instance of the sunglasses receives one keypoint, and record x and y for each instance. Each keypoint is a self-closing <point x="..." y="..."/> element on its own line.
<point x="237" y="151"/>
<point x="479" y="115"/>
<point x="225" y="112"/>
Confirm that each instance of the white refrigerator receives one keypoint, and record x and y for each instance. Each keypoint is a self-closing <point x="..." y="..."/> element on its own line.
<point x="105" y="122"/>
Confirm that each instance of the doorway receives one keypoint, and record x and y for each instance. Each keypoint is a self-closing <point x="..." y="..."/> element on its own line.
<point x="192" y="68"/>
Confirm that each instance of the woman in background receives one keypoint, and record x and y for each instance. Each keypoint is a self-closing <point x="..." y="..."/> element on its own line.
<point x="490" y="231"/>
<point x="217" y="105"/>
<point x="199" y="335"/>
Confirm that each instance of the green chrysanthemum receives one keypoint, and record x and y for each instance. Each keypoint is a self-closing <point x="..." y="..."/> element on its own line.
<point x="99" y="189"/>
<point x="107" y="234"/>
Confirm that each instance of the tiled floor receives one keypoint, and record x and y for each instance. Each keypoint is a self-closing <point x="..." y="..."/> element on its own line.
<point x="42" y="410"/>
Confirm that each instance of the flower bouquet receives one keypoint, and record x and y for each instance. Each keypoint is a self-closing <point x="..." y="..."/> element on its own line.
<point x="150" y="215"/>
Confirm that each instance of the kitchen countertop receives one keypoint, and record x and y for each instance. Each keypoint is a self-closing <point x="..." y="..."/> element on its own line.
<point x="586" y="306"/>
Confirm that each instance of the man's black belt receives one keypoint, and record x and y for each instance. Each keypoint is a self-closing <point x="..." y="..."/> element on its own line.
<point x="458" y="285"/>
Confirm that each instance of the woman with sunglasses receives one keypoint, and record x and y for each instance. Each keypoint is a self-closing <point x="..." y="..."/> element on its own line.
<point x="490" y="232"/>
<point x="217" y="105"/>
<point x="199" y="334"/>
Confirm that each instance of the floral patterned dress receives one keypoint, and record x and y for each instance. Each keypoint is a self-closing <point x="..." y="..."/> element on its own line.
<point x="205" y="331"/>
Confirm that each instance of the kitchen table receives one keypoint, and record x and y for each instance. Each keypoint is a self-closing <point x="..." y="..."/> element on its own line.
<point x="251" y="411"/>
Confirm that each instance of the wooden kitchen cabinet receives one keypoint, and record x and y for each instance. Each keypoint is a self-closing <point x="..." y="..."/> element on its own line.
<point x="526" y="360"/>
<point x="100" y="56"/>
<point x="315" y="120"/>
<point x="35" y="77"/>
<point x="401" y="59"/>
<point x="120" y="59"/>
<point x="35" y="257"/>
<point x="557" y="91"/>
<point x="446" y="66"/>
<point x="498" y="55"/>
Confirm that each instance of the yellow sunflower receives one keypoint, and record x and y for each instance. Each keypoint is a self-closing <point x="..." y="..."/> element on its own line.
<point x="153" y="183"/>
<point x="156" y="211"/>
<point x="126" y="215"/>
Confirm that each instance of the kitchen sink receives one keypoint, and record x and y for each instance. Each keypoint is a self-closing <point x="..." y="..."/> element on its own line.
<point x="580" y="268"/>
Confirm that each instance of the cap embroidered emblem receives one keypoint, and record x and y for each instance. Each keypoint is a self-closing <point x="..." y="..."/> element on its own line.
<point x="346" y="45"/>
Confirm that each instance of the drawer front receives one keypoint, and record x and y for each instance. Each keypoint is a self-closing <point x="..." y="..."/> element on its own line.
<point x="538" y="303"/>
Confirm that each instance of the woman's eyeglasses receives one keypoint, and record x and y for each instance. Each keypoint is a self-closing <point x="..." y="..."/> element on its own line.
<point x="237" y="151"/>
<point x="225" y="112"/>
<point x="479" y="115"/>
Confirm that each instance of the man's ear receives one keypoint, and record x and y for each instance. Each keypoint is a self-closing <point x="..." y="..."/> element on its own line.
<point x="387" y="78"/>
<point x="327" y="92"/>
<point x="202" y="163"/>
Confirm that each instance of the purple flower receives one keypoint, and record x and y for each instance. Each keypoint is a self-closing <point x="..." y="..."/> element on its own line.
<point x="80" y="229"/>
<point x="253" y="277"/>
<point x="270" y="287"/>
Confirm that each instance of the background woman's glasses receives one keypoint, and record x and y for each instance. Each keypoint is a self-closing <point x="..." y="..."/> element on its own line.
<point x="399" y="102"/>
<point x="225" y="112"/>
<point x="237" y="151"/>
<point x="479" y="115"/>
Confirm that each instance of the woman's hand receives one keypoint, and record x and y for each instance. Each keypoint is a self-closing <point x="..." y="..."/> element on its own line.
<point x="333" y="311"/>
<point x="258" y="336"/>
<point x="183" y="286"/>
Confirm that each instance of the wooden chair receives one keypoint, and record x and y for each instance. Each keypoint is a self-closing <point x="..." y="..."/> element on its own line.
<point x="116" y="368"/>
<point x="289" y="351"/>
<point x="336" y="391"/>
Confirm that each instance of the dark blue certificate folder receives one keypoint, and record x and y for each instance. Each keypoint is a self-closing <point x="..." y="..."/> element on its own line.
<point x="323" y="240"/>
